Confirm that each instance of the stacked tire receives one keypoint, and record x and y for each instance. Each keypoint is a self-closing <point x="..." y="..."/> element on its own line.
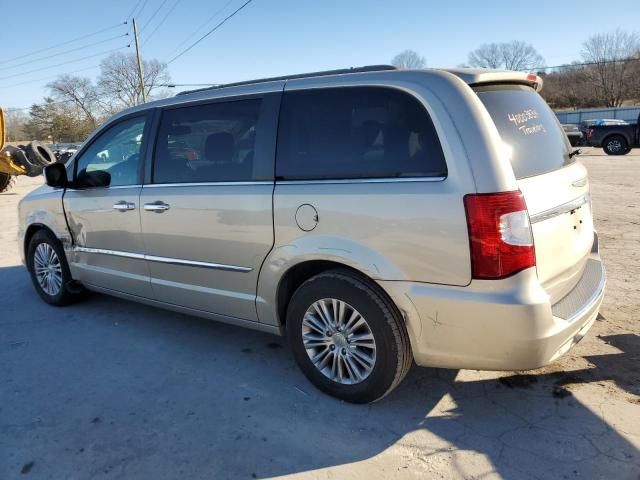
<point x="39" y="155"/>
<point x="33" y="157"/>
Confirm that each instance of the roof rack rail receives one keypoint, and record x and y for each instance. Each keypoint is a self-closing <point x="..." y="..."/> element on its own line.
<point x="368" y="68"/>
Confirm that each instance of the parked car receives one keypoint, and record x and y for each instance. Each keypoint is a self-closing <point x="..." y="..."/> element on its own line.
<point x="573" y="134"/>
<point x="374" y="216"/>
<point x="64" y="151"/>
<point x="614" y="138"/>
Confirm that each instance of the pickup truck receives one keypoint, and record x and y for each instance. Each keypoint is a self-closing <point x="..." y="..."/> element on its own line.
<point x="615" y="139"/>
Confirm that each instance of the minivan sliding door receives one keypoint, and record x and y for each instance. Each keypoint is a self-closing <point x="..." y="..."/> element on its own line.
<point x="206" y="214"/>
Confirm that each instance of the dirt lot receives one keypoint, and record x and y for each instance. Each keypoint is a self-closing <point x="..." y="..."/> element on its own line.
<point x="114" y="389"/>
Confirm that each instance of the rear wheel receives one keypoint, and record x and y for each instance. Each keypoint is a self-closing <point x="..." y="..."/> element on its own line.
<point x="49" y="269"/>
<point x="347" y="338"/>
<point x="616" y="145"/>
<point x="6" y="181"/>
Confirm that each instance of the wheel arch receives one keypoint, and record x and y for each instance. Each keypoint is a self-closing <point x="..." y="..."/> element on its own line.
<point x="31" y="231"/>
<point x="299" y="273"/>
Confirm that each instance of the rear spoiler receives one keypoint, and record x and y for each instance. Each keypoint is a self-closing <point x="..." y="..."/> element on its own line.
<point x="483" y="76"/>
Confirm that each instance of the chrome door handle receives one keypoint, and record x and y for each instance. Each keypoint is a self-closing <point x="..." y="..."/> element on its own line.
<point x="123" y="206"/>
<point x="157" y="207"/>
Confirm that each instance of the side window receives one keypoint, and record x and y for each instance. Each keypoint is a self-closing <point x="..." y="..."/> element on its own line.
<point x="356" y="132"/>
<point x="115" y="152"/>
<point x="207" y="143"/>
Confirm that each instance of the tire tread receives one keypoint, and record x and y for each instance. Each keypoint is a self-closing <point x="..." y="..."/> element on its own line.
<point x="391" y="314"/>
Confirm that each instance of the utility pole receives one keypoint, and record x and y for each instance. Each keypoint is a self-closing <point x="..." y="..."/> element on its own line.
<point x="140" y="71"/>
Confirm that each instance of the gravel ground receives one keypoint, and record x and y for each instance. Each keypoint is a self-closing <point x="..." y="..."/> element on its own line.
<point x="113" y="389"/>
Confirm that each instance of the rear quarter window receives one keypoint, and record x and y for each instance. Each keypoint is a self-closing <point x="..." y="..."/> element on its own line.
<point x="356" y="132"/>
<point x="530" y="130"/>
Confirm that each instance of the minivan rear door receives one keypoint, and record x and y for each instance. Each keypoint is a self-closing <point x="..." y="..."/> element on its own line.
<point x="554" y="185"/>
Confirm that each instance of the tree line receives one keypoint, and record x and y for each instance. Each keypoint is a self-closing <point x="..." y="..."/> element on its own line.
<point x="606" y="75"/>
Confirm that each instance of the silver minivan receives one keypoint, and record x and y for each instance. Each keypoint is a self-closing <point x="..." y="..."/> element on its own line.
<point x="374" y="216"/>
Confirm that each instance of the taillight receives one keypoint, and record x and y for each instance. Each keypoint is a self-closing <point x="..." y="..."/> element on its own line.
<point x="589" y="132"/>
<point x="499" y="234"/>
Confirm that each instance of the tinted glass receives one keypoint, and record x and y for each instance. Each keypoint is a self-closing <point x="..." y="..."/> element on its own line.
<point x="207" y="143"/>
<point x="356" y="132"/>
<point x="116" y="152"/>
<point x="535" y="141"/>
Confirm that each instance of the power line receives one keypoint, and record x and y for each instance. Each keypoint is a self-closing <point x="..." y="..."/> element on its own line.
<point x="58" y="102"/>
<point x="63" y="63"/>
<point x="134" y="9"/>
<point x="48" y="77"/>
<point x="153" y="16"/>
<point x="583" y="64"/>
<point x="65" y="52"/>
<point x="164" y="19"/>
<point x="210" y="31"/>
<point x="139" y="11"/>
<point x="204" y="24"/>
<point x="16" y="109"/>
<point x="174" y="85"/>
<point x="63" y="43"/>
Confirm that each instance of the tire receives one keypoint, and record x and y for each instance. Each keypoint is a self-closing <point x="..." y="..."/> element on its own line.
<point x="39" y="154"/>
<point x="615" y="145"/>
<point x="43" y="241"/>
<point x="6" y="181"/>
<point x="391" y="352"/>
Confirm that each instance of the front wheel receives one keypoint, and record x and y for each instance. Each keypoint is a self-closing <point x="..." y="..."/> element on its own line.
<point x="49" y="270"/>
<point x="347" y="338"/>
<point x="616" y="145"/>
<point x="6" y="181"/>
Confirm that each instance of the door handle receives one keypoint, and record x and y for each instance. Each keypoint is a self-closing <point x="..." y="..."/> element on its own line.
<point x="123" y="206"/>
<point x="157" y="207"/>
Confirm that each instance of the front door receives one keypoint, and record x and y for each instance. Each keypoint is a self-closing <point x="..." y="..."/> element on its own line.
<point x="103" y="211"/>
<point x="207" y="212"/>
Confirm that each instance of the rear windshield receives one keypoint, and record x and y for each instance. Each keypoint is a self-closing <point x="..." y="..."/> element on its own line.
<point x="528" y="127"/>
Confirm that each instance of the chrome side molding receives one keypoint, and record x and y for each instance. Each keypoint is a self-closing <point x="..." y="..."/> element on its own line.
<point x="560" y="209"/>
<point x="320" y="181"/>
<point x="154" y="258"/>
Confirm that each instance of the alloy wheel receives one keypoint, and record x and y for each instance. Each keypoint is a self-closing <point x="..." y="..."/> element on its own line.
<point x="48" y="269"/>
<point x="339" y="341"/>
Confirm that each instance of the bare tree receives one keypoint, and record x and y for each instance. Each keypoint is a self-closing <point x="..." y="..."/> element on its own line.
<point x="515" y="55"/>
<point x="80" y="92"/>
<point x="569" y="87"/>
<point x="409" y="59"/>
<point x="15" y="121"/>
<point x="119" y="79"/>
<point x="614" y="72"/>
<point x="488" y="55"/>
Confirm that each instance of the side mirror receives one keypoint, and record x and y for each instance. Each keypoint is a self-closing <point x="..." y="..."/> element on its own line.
<point x="92" y="179"/>
<point x="56" y="175"/>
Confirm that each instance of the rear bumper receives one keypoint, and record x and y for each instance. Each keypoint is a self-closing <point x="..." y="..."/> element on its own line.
<point x="507" y="324"/>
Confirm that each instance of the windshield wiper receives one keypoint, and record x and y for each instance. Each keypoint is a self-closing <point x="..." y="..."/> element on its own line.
<point x="575" y="152"/>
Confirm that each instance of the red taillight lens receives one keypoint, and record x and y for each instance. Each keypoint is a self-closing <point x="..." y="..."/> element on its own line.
<point x="499" y="234"/>
<point x="589" y="132"/>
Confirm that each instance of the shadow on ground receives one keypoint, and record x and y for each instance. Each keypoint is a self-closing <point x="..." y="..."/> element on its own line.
<point x="113" y="388"/>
